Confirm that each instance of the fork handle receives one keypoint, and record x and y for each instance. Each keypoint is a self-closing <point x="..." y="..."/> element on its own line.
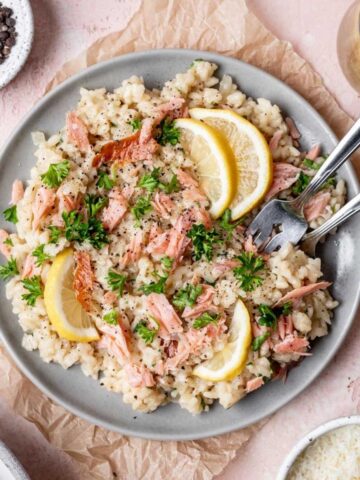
<point x="346" y="212"/>
<point x="347" y="145"/>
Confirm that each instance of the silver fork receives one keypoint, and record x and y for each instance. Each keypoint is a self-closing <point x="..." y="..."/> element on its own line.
<point x="290" y="214"/>
<point x="311" y="239"/>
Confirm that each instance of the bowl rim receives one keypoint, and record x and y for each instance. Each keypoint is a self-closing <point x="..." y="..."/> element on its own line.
<point x="24" y="52"/>
<point x="310" y="438"/>
<point x="68" y="405"/>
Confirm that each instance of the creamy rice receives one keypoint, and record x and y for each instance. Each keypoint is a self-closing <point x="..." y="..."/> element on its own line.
<point x="109" y="116"/>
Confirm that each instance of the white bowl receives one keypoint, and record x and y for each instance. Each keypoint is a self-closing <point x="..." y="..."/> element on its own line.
<point x="10" y="467"/>
<point x="310" y="438"/>
<point x="25" y="33"/>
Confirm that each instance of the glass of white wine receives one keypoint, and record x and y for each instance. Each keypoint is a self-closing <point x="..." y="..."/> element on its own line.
<point x="348" y="45"/>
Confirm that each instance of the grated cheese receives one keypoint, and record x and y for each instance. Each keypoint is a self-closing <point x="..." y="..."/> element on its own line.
<point x="333" y="456"/>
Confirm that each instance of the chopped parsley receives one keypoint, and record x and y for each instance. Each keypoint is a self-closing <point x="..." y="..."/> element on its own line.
<point x="78" y="230"/>
<point x="10" y="214"/>
<point x="151" y="182"/>
<point x="204" y="320"/>
<point x="56" y="173"/>
<point x="301" y="183"/>
<point x="258" y="341"/>
<point x="135" y="124"/>
<point x="141" y="207"/>
<point x="330" y="182"/>
<point x="311" y="164"/>
<point x="169" y="133"/>
<point x="167" y="262"/>
<point x="9" y="242"/>
<point x="116" y="282"/>
<point x="226" y="224"/>
<point x="203" y="241"/>
<point x="9" y="269"/>
<point x="94" y="204"/>
<point x="55" y="233"/>
<point x="40" y="255"/>
<point x="155" y="287"/>
<point x="245" y="274"/>
<point x="287" y="308"/>
<point x="268" y="316"/>
<point x="33" y="285"/>
<point x="186" y="296"/>
<point x="144" y="332"/>
<point x="170" y="187"/>
<point x="104" y="181"/>
<point x="111" y="317"/>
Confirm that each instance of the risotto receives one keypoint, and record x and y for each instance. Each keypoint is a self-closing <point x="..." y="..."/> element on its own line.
<point x="157" y="276"/>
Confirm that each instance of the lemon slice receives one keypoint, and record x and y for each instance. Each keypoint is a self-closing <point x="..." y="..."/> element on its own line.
<point x="214" y="162"/>
<point x="230" y="362"/>
<point x="65" y="313"/>
<point x="252" y="155"/>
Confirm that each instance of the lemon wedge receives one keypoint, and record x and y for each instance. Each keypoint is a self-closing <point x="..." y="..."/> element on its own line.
<point x="251" y="152"/>
<point x="230" y="362"/>
<point x="65" y="313"/>
<point x="214" y="162"/>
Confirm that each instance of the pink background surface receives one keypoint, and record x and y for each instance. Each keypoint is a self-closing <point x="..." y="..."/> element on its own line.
<point x="66" y="27"/>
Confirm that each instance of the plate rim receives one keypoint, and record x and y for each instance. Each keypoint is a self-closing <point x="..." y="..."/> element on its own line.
<point x="216" y="430"/>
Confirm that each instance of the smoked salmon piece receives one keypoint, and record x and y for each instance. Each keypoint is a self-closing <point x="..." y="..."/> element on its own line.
<point x="83" y="279"/>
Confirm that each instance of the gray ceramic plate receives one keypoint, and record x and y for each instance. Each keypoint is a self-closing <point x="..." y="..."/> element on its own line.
<point x="341" y="258"/>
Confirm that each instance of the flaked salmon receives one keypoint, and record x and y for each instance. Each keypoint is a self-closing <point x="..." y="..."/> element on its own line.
<point x="77" y="133"/>
<point x="83" y="279"/>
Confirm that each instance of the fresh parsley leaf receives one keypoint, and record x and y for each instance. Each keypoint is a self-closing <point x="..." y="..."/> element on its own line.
<point x="330" y="182"/>
<point x="204" y="320"/>
<point x="116" y="282"/>
<point x="301" y="183"/>
<point x="9" y="242"/>
<point x="141" y="207"/>
<point x="203" y="241"/>
<point x="144" y="332"/>
<point x="9" y="269"/>
<point x="78" y="230"/>
<point x="245" y="274"/>
<point x="40" y="255"/>
<point x="169" y="133"/>
<point x="96" y="234"/>
<point x="268" y="316"/>
<point x="167" y="262"/>
<point x="170" y="187"/>
<point x="258" y="341"/>
<point x="10" y="214"/>
<point x="226" y="224"/>
<point x="111" y="317"/>
<point x="155" y="287"/>
<point x="33" y="285"/>
<point x="186" y="296"/>
<point x="55" y="233"/>
<point x="94" y="204"/>
<point x="56" y="173"/>
<point x="311" y="164"/>
<point x="135" y="124"/>
<point x="150" y="181"/>
<point x="287" y="308"/>
<point x="104" y="181"/>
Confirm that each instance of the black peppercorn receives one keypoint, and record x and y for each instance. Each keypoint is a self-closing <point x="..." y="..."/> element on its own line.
<point x="7" y="32"/>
